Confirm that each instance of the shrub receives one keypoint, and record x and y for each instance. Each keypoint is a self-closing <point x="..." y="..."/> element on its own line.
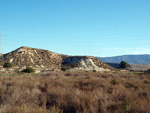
<point x="115" y="82"/>
<point x="28" y="70"/>
<point x="147" y="81"/>
<point x="94" y="70"/>
<point x="147" y="71"/>
<point x="123" y="64"/>
<point x="126" y="104"/>
<point x="64" y="68"/>
<point x="23" y="109"/>
<point x="131" y="85"/>
<point x="7" y="65"/>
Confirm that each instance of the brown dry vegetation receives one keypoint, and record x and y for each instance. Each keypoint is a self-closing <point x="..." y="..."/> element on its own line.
<point x="75" y="92"/>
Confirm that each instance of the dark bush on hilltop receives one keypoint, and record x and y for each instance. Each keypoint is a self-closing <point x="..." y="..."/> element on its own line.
<point x="123" y="64"/>
<point x="64" y="68"/>
<point x="7" y="65"/>
<point x="28" y="70"/>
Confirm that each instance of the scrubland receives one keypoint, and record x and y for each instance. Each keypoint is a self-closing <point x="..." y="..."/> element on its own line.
<point x="75" y="92"/>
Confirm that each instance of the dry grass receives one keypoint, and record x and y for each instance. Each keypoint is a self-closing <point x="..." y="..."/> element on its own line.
<point x="75" y="92"/>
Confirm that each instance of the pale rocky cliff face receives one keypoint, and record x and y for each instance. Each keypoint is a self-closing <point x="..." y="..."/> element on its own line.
<point x="86" y="63"/>
<point x="39" y="58"/>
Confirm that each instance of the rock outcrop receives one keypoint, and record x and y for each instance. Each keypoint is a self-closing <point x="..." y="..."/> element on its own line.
<point x="86" y="63"/>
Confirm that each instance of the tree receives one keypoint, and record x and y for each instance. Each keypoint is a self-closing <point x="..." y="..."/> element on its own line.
<point x="28" y="70"/>
<point x="123" y="64"/>
<point x="64" y="68"/>
<point x="7" y="65"/>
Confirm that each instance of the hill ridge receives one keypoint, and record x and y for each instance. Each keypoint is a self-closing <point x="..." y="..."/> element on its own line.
<point x="130" y="59"/>
<point x="40" y="58"/>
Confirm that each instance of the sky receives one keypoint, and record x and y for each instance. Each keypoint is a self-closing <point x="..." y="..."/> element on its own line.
<point x="77" y="27"/>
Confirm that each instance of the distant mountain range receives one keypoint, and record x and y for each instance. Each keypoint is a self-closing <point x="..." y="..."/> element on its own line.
<point x="130" y="59"/>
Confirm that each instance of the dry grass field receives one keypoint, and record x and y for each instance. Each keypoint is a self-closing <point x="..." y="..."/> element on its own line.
<point x="75" y="92"/>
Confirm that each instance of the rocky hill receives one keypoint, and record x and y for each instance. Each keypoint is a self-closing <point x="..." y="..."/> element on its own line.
<point x="39" y="58"/>
<point x="25" y="56"/>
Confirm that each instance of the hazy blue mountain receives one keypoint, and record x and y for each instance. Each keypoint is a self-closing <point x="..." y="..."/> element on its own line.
<point x="130" y="59"/>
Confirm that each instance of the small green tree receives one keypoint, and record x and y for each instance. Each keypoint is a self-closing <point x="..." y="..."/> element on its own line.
<point x="28" y="70"/>
<point x="64" y="68"/>
<point x="94" y="70"/>
<point x="123" y="64"/>
<point x="7" y="65"/>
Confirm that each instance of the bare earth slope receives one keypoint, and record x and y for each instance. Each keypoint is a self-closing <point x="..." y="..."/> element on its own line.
<point x="39" y="58"/>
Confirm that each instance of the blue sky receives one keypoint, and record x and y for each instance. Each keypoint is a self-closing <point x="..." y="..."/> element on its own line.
<point x="77" y="27"/>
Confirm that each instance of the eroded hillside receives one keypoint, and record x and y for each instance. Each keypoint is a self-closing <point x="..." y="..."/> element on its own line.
<point x="26" y="56"/>
<point x="39" y="58"/>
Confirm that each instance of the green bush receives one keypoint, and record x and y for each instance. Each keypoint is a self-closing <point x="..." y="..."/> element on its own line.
<point x="94" y="70"/>
<point x="123" y="64"/>
<point x="64" y="68"/>
<point x="7" y="65"/>
<point x="28" y="70"/>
